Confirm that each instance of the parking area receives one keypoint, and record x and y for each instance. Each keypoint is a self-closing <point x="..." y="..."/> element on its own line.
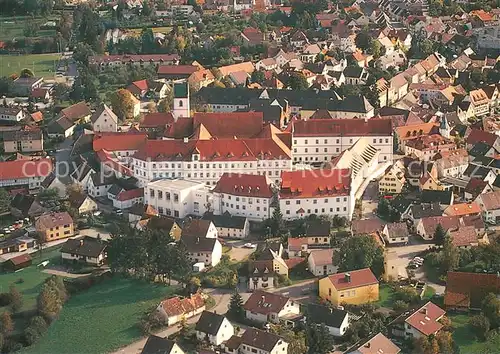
<point x="238" y="251"/>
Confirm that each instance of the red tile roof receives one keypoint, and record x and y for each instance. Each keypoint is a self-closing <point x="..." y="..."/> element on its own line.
<point x="130" y="194"/>
<point x="76" y="111"/>
<point x="425" y="319"/>
<point x="50" y="220"/>
<point x="462" y="209"/>
<point x="257" y="186"/>
<point x="264" y="303"/>
<point x="315" y="183"/>
<point x="141" y="85"/>
<point x="361" y="277"/>
<point x="156" y="120"/>
<point x="21" y="169"/>
<point x="379" y="344"/>
<point x="37" y="116"/>
<point x="229" y="125"/>
<point x="176" y="306"/>
<point x="464" y="236"/>
<point x="119" y="141"/>
<point x="469" y="289"/>
<point x="106" y="158"/>
<point x="342" y="127"/>
<point x="22" y="258"/>
<point x="295" y="243"/>
<point x="475" y="186"/>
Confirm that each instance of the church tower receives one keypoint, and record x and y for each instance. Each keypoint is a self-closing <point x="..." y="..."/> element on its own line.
<point x="181" y="101"/>
<point x="444" y="127"/>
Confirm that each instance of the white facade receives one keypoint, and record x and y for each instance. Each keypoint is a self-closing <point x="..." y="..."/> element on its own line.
<point x="225" y="331"/>
<point x="280" y="348"/>
<point x="105" y="122"/>
<point x="324" y="148"/>
<point x="342" y="206"/>
<point x="290" y="308"/>
<point x="12" y="114"/>
<point x="320" y="269"/>
<point x="210" y="258"/>
<point x="252" y="208"/>
<point x="99" y="190"/>
<point x="89" y="260"/>
<point x="178" y="197"/>
<point x="226" y="232"/>
<point x="207" y="172"/>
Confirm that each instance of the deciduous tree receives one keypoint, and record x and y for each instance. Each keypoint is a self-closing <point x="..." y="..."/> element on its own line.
<point x="318" y="339"/>
<point x="6" y="324"/>
<point x="360" y="252"/>
<point x="123" y="104"/>
<point x="491" y="309"/>
<point x="480" y="326"/>
<point x="16" y="299"/>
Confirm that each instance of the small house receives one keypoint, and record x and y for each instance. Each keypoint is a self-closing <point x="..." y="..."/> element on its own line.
<point x="173" y="310"/>
<point x="355" y="287"/>
<point x="265" y="307"/>
<point x="87" y="250"/>
<point x="213" y="328"/>
<point x="335" y="320"/>
<point x="18" y="262"/>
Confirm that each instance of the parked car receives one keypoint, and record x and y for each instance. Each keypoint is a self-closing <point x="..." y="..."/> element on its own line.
<point x="249" y="245"/>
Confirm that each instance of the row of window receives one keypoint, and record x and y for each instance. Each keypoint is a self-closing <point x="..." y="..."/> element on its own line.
<point x="243" y="207"/>
<point x="167" y="212"/>
<point x="315" y="201"/>
<point x="325" y="141"/>
<point x="207" y="165"/>
<point x="160" y="195"/>
<point x="316" y="211"/>
<point x="243" y="199"/>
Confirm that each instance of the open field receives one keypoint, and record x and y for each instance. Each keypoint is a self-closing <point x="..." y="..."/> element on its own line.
<point x="42" y="65"/>
<point x="465" y="339"/>
<point x="13" y="27"/>
<point x="32" y="278"/>
<point x="102" y="318"/>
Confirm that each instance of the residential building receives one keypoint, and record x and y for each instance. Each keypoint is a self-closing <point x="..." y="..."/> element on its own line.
<point x="355" y="287"/>
<point x="393" y="181"/>
<point x="77" y="113"/>
<point x="86" y="250"/>
<point x="208" y="160"/>
<point x="321" y="140"/>
<point x="29" y="173"/>
<point x="61" y="128"/>
<point x="355" y="75"/>
<point x="165" y="224"/>
<point x="265" y="307"/>
<point x="230" y="226"/>
<point x="23" y="141"/>
<point x="102" y="62"/>
<point x="174" y="309"/>
<point x="127" y="198"/>
<point x="320" y="262"/>
<point x="53" y="182"/>
<point x="199" y="228"/>
<point x="213" y="328"/>
<point x="23" y="86"/>
<point x="12" y="113"/>
<point x="367" y="226"/>
<point x="426" y="227"/>
<point x="466" y="291"/>
<point x="375" y="345"/>
<point x="156" y="345"/>
<point x="431" y="197"/>
<point x="426" y="147"/>
<point x="420" y="322"/>
<point x="24" y="206"/>
<point x="466" y="237"/>
<point x="490" y="207"/>
<point x="319" y="192"/>
<point x="262" y="342"/>
<point x="55" y="226"/>
<point x="260" y="277"/>
<point x="335" y="320"/>
<point x="244" y="195"/>
<point x="104" y="120"/>
<point x="179" y="197"/>
<point x="84" y="204"/>
<point x="99" y="184"/>
<point x="463" y="209"/>
<point x="396" y="233"/>
<point x="202" y="249"/>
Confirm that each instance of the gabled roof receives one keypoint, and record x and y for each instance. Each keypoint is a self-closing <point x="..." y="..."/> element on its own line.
<point x="491" y="201"/>
<point x="317" y="228"/>
<point x="76" y="111"/>
<point x="464" y="236"/>
<point x="475" y="186"/>
<point x="119" y="141"/>
<point x="158" y="345"/>
<point x="426" y="210"/>
<point x="156" y="120"/>
<point x="227" y="220"/>
<point x="315" y="183"/>
<point x="50" y="220"/>
<point x="325" y="315"/>
<point x="177" y="306"/>
<point x="358" y="278"/>
<point x="378" y="344"/>
<point x="105" y="111"/>
<point x="425" y="319"/>
<point x="463" y="209"/>
<point x="86" y="246"/>
<point x="469" y="289"/>
<point x="196" y="228"/>
<point x="476" y="136"/>
<point x="433" y="196"/>
<point x="367" y="226"/>
<point x="322" y="257"/>
<point x="342" y="127"/>
<point x="21" y="169"/>
<point x="199" y="244"/>
<point x="244" y="185"/>
<point x="264" y="303"/>
<point x="260" y="339"/>
<point x="209" y="323"/>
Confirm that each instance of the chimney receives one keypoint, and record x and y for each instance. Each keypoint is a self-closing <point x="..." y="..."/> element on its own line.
<point x="197" y="240"/>
<point x="424" y="310"/>
<point x="81" y="243"/>
<point x="347" y="277"/>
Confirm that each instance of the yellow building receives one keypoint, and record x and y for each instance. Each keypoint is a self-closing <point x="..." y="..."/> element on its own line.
<point x="355" y="287"/>
<point x="55" y="226"/>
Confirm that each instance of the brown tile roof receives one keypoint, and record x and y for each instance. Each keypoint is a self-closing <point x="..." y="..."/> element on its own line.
<point x="463" y="209"/>
<point x="379" y="344"/>
<point x="367" y="226"/>
<point x="342" y="127"/>
<point x="176" y="306"/>
<point x="156" y="120"/>
<point x="264" y="303"/>
<point x="315" y="183"/>
<point x="361" y="277"/>
<point x="464" y="236"/>
<point x="322" y="257"/>
<point x="50" y="220"/>
<point x="245" y="66"/>
<point x="475" y="186"/>
<point x="257" y="338"/>
<point x="231" y="124"/>
<point x="295" y="243"/>
<point x="469" y="289"/>
<point x="477" y="136"/>
<point x="177" y="69"/>
<point x="76" y="111"/>
<point x="257" y="186"/>
<point x="491" y="201"/>
<point x="196" y="228"/>
<point x="119" y="141"/>
<point x="37" y="116"/>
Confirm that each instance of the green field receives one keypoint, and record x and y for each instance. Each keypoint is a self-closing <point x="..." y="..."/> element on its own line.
<point x="102" y="318"/>
<point x="32" y="278"/>
<point x="43" y="65"/>
<point x="11" y="28"/>
<point x="465" y="339"/>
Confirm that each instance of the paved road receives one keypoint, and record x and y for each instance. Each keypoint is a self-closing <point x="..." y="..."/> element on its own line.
<point x="303" y="292"/>
<point x="62" y="161"/>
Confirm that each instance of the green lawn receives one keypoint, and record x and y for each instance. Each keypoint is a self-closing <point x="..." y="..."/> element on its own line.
<point x="14" y="27"/>
<point x="465" y="339"/>
<point x="385" y="296"/>
<point x="43" y="65"/>
<point x="103" y="318"/>
<point x="32" y="277"/>
<point x="429" y="292"/>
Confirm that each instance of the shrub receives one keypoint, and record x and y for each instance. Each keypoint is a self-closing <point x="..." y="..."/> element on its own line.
<point x="5" y="299"/>
<point x="480" y="326"/>
<point x="399" y="305"/>
<point x="407" y="294"/>
<point x="31" y="336"/>
<point x="39" y="323"/>
<point x="283" y="280"/>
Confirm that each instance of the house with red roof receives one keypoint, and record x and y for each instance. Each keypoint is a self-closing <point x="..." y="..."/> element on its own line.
<point x="174" y="309"/>
<point x="28" y="173"/>
<point x="466" y="291"/>
<point x="416" y="323"/>
<point x="125" y="199"/>
<point x="245" y="195"/>
<point x="122" y="145"/>
<point x="263" y="307"/>
<point x="318" y="192"/>
<point x="355" y="287"/>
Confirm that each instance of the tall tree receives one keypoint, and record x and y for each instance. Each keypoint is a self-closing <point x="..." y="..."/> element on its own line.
<point x="6" y="323"/>
<point x="363" y="41"/>
<point x="360" y="252"/>
<point x="318" y="339"/>
<point x="5" y="200"/>
<point x="298" y="81"/>
<point x="48" y="302"/>
<point x="26" y="73"/>
<point x="123" y="104"/>
<point x="16" y="299"/>
<point x="277" y="223"/>
<point x="451" y="255"/>
<point x="480" y="326"/>
<point x="491" y="309"/>
<point x="296" y="340"/>
<point x="236" y="311"/>
<point x="439" y="235"/>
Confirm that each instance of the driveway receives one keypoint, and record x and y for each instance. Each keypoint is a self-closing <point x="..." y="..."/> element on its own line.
<point x="238" y="252"/>
<point x="303" y="292"/>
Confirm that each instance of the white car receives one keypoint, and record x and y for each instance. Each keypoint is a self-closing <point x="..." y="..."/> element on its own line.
<point x="249" y="245"/>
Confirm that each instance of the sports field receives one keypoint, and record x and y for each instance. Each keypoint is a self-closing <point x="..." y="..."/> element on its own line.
<point x="42" y="65"/>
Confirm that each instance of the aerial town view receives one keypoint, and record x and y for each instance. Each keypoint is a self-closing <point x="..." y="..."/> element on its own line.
<point x="250" y="176"/>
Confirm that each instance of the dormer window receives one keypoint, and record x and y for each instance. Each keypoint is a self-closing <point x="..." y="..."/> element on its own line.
<point x="181" y="103"/>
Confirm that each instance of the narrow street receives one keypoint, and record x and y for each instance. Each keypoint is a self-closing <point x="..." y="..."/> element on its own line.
<point x="62" y="161"/>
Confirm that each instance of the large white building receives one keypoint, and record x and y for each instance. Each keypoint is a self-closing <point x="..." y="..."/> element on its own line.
<point x="207" y="160"/>
<point x="178" y="197"/>
<point x="27" y="173"/>
<point x="244" y="195"/>
<point x="319" y="192"/>
<point x="320" y="140"/>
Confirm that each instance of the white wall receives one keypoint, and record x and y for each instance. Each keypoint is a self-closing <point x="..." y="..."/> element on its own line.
<point x="341" y="206"/>
<point x="226" y="330"/>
